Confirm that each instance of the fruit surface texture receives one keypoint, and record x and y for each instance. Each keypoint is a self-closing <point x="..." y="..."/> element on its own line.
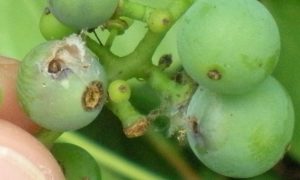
<point x="242" y="135"/>
<point x="76" y="162"/>
<point x="62" y="85"/>
<point x="83" y="14"/>
<point x="227" y="45"/>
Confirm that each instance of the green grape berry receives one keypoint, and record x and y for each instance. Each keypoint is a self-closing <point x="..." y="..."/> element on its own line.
<point x="119" y="91"/>
<point x="241" y="135"/>
<point x="62" y="85"/>
<point x="229" y="46"/>
<point x="83" y="14"/>
<point x="76" y="162"/>
<point x="51" y="28"/>
<point x="159" y="21"/>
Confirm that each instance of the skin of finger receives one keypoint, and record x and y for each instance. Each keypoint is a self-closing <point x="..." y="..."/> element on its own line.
<point x="10" y="107"/>
<point x="24" y="156"/>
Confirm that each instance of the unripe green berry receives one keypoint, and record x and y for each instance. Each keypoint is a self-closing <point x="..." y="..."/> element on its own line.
<point x="76" y="162"/>
<point x="61" y="84"/>
<point x="51" y="28"/>
<point x="229" y="46"/>
<point x="159" y="20"/>
<point x="118" y="25"/>
<point x="119" y="91"/>
<point x="241" y="135"/>
<point x="80" y="14"/>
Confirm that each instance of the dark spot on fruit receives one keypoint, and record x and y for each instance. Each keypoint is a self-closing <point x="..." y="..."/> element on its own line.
<point x="166" y="21"/>
<point x="214" y="75"/>
<point x="123" y="89"/>
<point x="165" y="60"/>
<point x="179" y="78"/>
<point x="47" y="11"/>
<point x="194" y="125"/>
<point x="92" y="96"/>
<point x="201" y="142"/>
<point x="55" y="66"/>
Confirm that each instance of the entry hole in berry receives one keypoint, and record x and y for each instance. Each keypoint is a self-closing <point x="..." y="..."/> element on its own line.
<point x="55" y="66"/>
<point x="214" y="75"/>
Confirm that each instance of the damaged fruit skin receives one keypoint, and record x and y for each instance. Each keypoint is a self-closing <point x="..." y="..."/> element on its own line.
<point x="54" y="85"/>
<point x="242" y="135"/>
<point x="227" y="54"/>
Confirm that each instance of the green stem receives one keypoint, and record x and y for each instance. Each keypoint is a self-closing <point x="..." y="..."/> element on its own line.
<point x="134" y="123"/>
<point x="139" y="63"/>
<point x="102" y="52"/>
<point x="108" y="159"/>
<point x="174" y="96"/>
<point x="111" y="38"/>
<point x="48" y="137"/>
<point x="170" y="153"/>
<point x="173" y="93"/>
<point x="133" y="10"/>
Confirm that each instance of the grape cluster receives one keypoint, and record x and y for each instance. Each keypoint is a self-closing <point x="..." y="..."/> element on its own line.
<point x="223" y="99"/>
<point x="240" y="120"/>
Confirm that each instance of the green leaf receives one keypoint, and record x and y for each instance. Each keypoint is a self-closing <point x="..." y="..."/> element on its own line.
<point x="19" y="30"/>
<point x="287" y="16"/>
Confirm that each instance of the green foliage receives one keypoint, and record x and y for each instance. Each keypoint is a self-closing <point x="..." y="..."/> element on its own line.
<point x="287" y="16"/>
<point x="19" y="20"/>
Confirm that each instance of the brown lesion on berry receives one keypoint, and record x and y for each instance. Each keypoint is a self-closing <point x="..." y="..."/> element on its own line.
<point x="166" y="21"/>
<point x="214" y="74"/>
<point x="55" y="66"/>
<point x="123" y="88"/>
<point x="92" y="96"/>
<point x="194" y="124"/>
